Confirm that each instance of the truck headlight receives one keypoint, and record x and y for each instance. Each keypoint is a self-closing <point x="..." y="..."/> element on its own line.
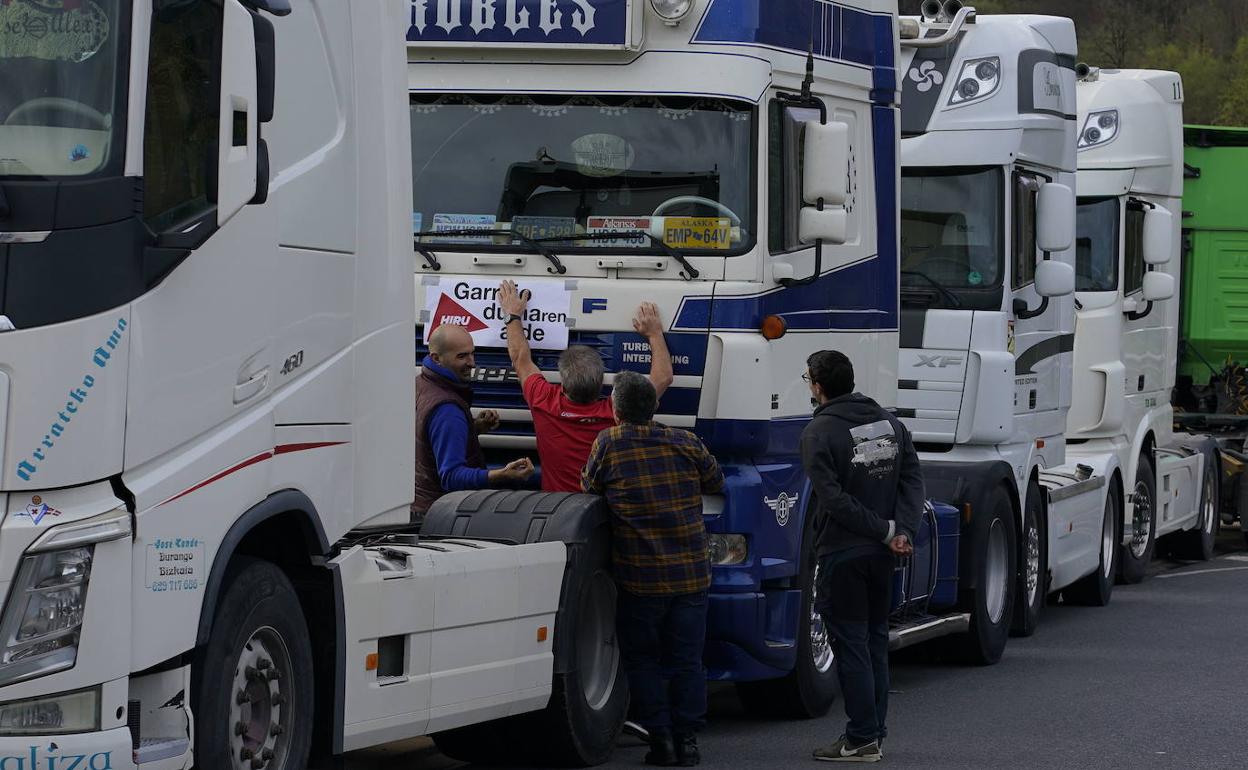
<point x="979" y="79"/>
<point x="71" y="712"/>
<point x="43" y="615"/>
<point x="726" y="550"/>
<point x="1100" y="128"/>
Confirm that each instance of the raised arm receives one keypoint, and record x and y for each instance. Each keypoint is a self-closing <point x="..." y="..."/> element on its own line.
<point x="514" y="304"/>
<point x="648" y="324"/>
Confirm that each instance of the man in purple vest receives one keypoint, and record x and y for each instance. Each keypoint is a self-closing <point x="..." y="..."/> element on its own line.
<point x="448" y="454"/>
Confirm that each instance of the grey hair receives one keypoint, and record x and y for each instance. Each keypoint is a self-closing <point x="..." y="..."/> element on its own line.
<point x="634" y="398"/>
<point x="580" y="370"/>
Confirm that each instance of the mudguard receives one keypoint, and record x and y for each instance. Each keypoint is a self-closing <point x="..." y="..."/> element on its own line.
<point x="974" y="482"/>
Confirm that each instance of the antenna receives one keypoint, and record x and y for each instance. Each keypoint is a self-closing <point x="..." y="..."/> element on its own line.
<point x="809" y="80"/>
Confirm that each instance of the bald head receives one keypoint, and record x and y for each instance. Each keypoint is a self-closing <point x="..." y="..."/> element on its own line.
<point x="451" y="347"/>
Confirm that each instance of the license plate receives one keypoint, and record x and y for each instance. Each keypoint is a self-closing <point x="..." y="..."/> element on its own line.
<point x="698" y="233"/>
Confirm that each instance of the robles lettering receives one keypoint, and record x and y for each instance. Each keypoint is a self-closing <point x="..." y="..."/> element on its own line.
<point x="593" y="22"/>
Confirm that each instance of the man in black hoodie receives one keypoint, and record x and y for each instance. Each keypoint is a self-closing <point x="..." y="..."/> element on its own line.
<point x="868" y="491"/>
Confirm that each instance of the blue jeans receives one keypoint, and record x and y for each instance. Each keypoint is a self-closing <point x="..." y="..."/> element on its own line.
<point x="855" y="595"/>
<point x="661" y="641"/>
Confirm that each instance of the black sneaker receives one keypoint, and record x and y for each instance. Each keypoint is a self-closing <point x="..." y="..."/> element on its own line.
<point x="687" y="754"/>
<point x="844" y="751"/>
<point x="662" y="751"/>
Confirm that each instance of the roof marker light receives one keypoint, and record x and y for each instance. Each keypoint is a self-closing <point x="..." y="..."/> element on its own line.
<point x="672" y="11"/>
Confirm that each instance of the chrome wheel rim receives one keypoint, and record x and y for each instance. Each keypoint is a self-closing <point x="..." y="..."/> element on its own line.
<point x="260" y="711"/>
<point x="1033" y="562"/>
<point x="1141" y="520"/>
<point x="820" y="643"/>
<point x="597" y="650"/>
<point x="996" y="562"/>
<point x="1207" y="507"/>
<point x="1107" y="537"/>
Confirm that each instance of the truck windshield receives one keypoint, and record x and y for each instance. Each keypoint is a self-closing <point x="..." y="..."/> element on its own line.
<point x="1096" y="245"/>
<point x="557" y="167"/>
<point x="61" y="95"/>
<point x="952" y="234"/>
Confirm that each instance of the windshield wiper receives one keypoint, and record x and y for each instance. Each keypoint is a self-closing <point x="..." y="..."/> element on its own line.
<point x="556" y="266"/>
<point x="953" y="298"/>
<point x="690" y="273"/>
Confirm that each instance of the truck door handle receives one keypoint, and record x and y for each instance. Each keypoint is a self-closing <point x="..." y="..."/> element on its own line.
<point x="250" y="382"/>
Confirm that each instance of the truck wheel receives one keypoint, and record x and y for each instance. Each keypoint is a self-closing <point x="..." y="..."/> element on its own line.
<point x="811" y="687"/>
<point x="1031" y="586"/>
<point x="1095" y="589"/>
<point x="1197" y="544"/>
<point x="993" y="549"/>
<point x="252" y="681"/>
<point x="1138" y="553"/>
<point x="589" y="697"/>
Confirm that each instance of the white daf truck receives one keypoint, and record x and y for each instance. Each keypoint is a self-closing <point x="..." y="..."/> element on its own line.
<point x="987" y="236"/>
<point x="1126" y="332"/>
<point x="206" y="403"/>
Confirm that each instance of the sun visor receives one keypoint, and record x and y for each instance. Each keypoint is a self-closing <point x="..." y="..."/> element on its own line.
<point x="962" y="148"/>
<point x="653" y="73"/>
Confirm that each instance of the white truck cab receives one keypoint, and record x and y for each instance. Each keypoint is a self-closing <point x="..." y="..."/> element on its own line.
<point x="1126" y="335"/>
<point x="987" y="280"/>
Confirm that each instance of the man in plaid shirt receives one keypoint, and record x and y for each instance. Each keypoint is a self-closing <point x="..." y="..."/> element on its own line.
<point x="653" y="478"/>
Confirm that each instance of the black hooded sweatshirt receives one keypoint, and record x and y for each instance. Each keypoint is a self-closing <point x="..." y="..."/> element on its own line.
<point x="864" y="472"/>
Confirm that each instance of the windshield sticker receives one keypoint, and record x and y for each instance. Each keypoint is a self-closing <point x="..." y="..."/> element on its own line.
<point x="544" y="227"/>
<point x="55" y="30"/>
<point x="418" y="222"/>
<point x="638" y="225"/>
<point x="603" y="155"/>
<point x="80" y="152"/>
<point x="449" y="222"/>
<point x="473" y="304"/>
<point x="698" y="232"/>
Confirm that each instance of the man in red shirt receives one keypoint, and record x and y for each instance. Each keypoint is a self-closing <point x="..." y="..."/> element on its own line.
<point x="569" y="416"/>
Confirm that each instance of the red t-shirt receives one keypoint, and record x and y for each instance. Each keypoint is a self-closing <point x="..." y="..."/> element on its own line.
<point x="565" y="432"/>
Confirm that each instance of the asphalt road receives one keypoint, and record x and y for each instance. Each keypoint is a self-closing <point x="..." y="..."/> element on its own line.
<point x="1159" y="678"/>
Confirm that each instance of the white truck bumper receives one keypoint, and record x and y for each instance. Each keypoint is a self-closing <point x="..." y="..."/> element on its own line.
<point x="105" y="750"/>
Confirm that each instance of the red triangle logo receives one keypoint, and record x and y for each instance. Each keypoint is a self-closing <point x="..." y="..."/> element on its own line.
<point x="452" y="313"/>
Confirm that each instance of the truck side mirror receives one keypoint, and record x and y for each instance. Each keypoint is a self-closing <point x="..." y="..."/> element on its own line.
<point x="824" y="178"/>
<point x="1055" y="218"/>
<point x="1158" y="287"/>
<point x="826" y="163"/>
<point x="239" y="134"/>
<point x="1158" y="236"/>
<point x="1054" y="279"/>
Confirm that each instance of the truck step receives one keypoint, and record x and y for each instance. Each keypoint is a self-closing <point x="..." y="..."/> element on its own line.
<point x="156" y="749"/>
<point x="926" y="628"/>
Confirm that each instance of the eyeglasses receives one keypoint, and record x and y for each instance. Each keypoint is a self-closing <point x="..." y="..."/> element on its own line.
<point x="806" y="377"/>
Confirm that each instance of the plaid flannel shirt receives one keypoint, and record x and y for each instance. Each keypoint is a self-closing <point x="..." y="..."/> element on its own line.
<point x="653" y="478"/>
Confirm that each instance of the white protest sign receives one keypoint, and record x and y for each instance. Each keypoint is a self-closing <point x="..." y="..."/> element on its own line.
<point x="473" y="304"/>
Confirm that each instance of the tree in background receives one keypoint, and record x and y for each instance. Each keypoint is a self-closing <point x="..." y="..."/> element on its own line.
<point x="1205" y="41"/>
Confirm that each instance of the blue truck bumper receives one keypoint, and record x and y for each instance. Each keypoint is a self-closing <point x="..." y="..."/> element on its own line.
<point x="750" y="635"/>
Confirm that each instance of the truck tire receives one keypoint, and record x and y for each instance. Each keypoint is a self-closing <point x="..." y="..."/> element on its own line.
<point x="1197" y="544"/>
<point x="811" y="687"/>
<point x="589" y="697"/>
<point x="1031" y="586"/>
<point x="1138" y="553"/>
<point x="252" y="683"/>
<point x="1095" y="590"/>
<point x="991" y="600"/>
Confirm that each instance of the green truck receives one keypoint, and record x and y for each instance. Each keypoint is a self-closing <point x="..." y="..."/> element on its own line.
<point x="1211" y="393"/>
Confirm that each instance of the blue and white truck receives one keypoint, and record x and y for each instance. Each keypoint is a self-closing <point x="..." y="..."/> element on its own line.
<point x="735" y="162"/>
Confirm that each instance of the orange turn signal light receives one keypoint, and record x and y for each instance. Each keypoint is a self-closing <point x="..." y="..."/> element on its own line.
<point x="773" y="327"/>
<point x="370" y="662"/>
<point x="542" y="633"/>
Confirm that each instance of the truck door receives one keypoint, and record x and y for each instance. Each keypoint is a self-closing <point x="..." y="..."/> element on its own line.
<point x="1145" y="337"/>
